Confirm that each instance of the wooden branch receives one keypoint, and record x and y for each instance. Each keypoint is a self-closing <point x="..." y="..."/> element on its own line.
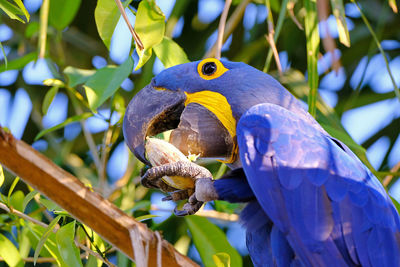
<point x="88" y="207"/>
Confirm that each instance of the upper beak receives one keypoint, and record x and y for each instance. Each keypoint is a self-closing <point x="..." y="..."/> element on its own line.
<point x="150" y="112"/>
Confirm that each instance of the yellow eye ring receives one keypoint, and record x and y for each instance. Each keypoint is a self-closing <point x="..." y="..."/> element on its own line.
<point x="210" y="68"/>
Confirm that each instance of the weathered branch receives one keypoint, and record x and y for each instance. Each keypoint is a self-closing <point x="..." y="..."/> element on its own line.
<point x="88" y="207"/>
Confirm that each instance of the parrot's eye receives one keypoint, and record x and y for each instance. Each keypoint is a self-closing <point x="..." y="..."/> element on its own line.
<point x="211" y="68"/>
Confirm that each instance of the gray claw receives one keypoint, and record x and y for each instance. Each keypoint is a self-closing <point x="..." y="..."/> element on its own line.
<point x="180" y="213"/>
<point x="167" y="198"/>
<point x="188" y="209"/>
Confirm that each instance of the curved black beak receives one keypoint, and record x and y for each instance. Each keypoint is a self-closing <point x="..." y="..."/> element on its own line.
<point x="152" y="111"/>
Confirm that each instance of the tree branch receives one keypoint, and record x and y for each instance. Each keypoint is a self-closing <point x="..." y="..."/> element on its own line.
<point x="88" y="207"/>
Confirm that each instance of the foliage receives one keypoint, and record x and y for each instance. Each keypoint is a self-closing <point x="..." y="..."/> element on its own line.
<point x="76" y="33"/>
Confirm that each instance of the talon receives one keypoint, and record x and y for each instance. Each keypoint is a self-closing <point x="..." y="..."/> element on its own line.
<point x="167" y="198"/>
<point x="147" y="183"/>
<point x="180" y="213"/>
<point x="188" y="209"/>
<point x="192" y="199"/>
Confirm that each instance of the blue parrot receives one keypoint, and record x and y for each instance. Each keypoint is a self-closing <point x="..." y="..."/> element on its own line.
<point x="311" y="202"/>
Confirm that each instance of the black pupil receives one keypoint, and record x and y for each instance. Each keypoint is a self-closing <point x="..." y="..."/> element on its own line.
<point x="209" y="68"/>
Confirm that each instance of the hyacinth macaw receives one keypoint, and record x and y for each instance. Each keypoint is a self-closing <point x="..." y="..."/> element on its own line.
<point x="311" y="202"/>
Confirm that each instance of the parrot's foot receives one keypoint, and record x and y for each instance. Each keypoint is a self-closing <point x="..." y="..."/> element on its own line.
<point x="190" y="208"/>
<point x="153" y="176"/>
<point x="204" y="185"/>
<point x="180" y="168"/>
<point x="179" y="195"/>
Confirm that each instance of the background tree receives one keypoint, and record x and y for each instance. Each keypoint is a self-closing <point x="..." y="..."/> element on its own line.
<point x="69" y="67"/>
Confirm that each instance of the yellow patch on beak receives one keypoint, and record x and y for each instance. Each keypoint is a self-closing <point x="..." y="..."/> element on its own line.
<point x="219" y="106"/>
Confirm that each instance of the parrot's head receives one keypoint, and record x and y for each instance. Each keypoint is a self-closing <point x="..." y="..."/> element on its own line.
<point x="201" y="102"/>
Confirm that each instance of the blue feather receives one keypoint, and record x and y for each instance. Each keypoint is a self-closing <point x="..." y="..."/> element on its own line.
<point x="322" y="199"/>
<point x="233" y="187"/>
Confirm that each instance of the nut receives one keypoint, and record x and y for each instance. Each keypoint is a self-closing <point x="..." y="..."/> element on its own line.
<point x="160" y="152"/>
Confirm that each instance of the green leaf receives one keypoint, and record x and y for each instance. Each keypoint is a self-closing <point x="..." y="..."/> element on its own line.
<point x="10" y="253"/>
<point x="11" y="10"/>
<point x="77" y="76"/>
<point x="106" y="16"/>
<point x="338" y="12"/>
<point x="4" y="55"/>
<point x="12" y="189"/>
<point x="1" y="175"/>
<point x="28" y="198"/>
<point x="32" y="29"/>
<point x="48" y="98"/>
<point x="210" y="240"/>
<point x="150" y="27"/>
<point x="170" y="53"/>
<point x="396" y="204"/>
<point x="23" y="9"/>
<point x="70" y="120"/>
<point x="393" y="5"/>
<point x="222" y="259"/>
<point x="53" y="82"/>
<point x="66" y="245"/>
<point x="50" y="205"/>
<point x="44" y="237"/>
<point x="141" y="205"/>
<point x="145" y="217"/>
<point x="16" y="200"/>
<point x="62" y="12"/>
<point x="105" y="82"/>
<point x="312" y="36"/>
<point x="18" y="63"/>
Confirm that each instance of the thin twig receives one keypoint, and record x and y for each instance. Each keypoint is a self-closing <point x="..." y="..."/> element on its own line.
<point x="93" y="253"/>
<point x="104" y="155"/>
<point x="21" y="215"/>
<point x="270" y="38"/>
<point x="44" y="16"/>
<point x="277" y="31"/>
<point x="38" y="260"/>
<point x="207" y="213"/>
<point x="290" y="8"/>
<point x="388" y="178"/>
<point x="28" y="218"/>
<point x="328" y="42"/>
<point x="88" y="137"/>
<point x="231" y="24"/>
<point x="134" y="34"/>
<point x="378" y="44"/>
<point x="221" y="28"/>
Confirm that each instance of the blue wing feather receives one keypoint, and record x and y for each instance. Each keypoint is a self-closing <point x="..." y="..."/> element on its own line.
<point x="316" y="192"/>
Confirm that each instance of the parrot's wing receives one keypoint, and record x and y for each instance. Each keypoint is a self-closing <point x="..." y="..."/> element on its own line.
<point x="331" y="209"/>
